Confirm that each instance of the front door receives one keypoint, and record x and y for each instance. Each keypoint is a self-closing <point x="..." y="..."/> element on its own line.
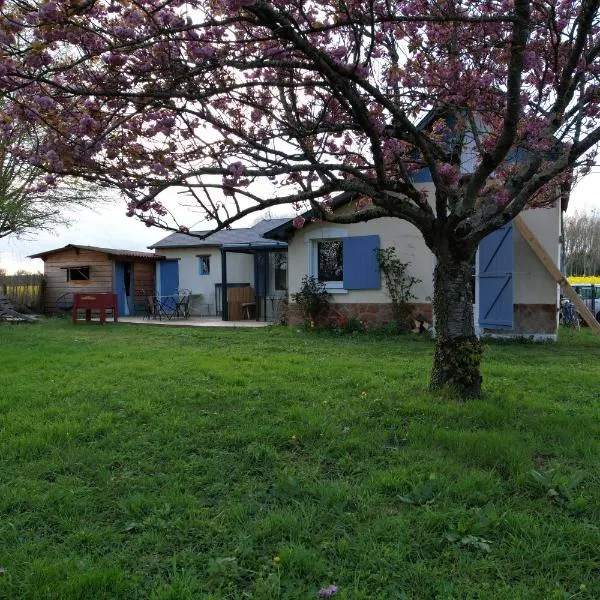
<point x="169" y="277"/>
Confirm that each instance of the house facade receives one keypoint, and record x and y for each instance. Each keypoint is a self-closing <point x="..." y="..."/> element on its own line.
<point x="252" y="268"/>
<point x="514" y="293"/>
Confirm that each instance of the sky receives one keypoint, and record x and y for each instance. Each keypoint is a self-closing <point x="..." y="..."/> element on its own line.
<point x="109" y="227"/>
<point x="105" y="227"/>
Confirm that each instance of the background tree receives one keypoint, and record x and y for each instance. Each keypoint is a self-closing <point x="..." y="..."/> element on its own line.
<point x="30" y="199"/>
<point x="247" y="104"/>
<point x="582" y="243"/>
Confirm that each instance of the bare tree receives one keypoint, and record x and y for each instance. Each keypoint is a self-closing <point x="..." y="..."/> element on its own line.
<point x="582" y="243"/>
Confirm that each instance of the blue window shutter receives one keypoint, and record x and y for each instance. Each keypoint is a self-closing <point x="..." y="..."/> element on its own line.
<point x="361" y="269"/>
<point x="169" y="277"/>
<point x="496" y="259"/>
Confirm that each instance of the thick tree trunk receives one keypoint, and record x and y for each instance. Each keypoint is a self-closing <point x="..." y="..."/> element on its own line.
<point x="457" y="351"/>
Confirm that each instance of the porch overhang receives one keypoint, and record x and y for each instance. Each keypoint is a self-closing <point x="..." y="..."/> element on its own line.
<point x="254" y="248"/>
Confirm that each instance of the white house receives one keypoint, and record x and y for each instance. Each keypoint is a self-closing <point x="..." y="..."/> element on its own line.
<point x="233" y="259"/>
<point x="514" y="293"/>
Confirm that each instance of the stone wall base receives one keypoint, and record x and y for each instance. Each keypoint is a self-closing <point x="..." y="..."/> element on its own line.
<point x="530" y="319"/>
<point x="370" y="313"/>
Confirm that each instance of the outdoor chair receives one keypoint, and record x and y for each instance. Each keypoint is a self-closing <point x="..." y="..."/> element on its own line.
<point x="183" y="307"/>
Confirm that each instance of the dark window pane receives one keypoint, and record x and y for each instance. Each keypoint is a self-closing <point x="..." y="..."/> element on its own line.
<point x="330" y="260"/>
<point x="280" y="271"/>
<point x="78" y="274"/>
<point x="204" y="265"/>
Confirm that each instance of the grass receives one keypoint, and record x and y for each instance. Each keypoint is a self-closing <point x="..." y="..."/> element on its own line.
<point x="160" y="463"/>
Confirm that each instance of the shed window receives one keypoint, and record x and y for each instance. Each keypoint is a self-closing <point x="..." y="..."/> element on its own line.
<point x="78" y="273"/>
<point x="346" y="264"/>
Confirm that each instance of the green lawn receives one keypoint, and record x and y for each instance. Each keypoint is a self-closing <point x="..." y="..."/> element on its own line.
<point x="147" y="462"/>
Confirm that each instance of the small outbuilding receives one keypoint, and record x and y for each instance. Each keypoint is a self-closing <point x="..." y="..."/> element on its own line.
<point x="74" y="268"/>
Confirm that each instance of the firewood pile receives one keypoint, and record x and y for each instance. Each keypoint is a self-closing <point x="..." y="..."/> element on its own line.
<point x="8" y="312"/>
<point x="420" y="324"/>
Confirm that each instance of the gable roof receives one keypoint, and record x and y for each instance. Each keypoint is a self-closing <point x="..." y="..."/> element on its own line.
<point x="246" y="236"/>
<point x="109" y="251"/>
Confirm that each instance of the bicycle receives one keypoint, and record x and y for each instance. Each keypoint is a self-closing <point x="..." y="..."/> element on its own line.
<point x="568" y="314"/>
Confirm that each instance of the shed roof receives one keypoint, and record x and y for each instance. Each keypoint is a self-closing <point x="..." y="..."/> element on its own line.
<point x="246" y="236"/>
<point x="109" y="251"/>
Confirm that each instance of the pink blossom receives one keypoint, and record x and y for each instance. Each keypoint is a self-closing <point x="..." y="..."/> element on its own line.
<point x="298" y="222"/>
<point x="327" y="592"/>
<point x="235" y="5"/>
<point x="236" y="169"/>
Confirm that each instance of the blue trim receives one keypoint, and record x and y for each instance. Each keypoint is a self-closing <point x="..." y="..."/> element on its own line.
<point x="261" y="273"/>
<point x="423" y="176"/>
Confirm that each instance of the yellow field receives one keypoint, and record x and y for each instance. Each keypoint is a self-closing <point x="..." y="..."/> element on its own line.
<point x="595" y="279"/>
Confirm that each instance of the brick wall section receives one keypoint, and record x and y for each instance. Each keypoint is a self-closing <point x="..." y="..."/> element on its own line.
<point x="529" y="318"/>
<point x="368" y="313"/>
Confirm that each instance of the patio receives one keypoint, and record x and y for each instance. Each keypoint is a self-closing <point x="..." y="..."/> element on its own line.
<point x="194" y="322"/>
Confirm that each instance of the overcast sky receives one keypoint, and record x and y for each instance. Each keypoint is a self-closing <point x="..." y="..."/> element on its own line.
<point x="110" y="228"/>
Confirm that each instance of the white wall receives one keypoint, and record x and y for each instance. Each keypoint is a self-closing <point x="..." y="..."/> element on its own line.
<point x="532" y="282"/>
<point x="410" y="248"/>
<point x="240" y="269"/>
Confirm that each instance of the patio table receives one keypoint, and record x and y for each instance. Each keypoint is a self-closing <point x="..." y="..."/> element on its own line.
<point x="172" y="307"/>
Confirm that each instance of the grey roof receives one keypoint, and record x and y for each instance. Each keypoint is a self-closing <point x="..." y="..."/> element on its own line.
<point x="226" y="237"/>
<point x="285" y="229"/>
<point x="110" y="251"/>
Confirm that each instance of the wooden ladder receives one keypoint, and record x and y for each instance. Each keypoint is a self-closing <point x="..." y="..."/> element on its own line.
<point x="547" y="261"/>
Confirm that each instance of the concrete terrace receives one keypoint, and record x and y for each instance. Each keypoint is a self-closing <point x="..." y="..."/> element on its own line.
<point x="194" y="322"/>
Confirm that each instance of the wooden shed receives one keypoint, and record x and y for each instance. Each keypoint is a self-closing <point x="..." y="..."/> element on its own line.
<point x="73" y="268"/>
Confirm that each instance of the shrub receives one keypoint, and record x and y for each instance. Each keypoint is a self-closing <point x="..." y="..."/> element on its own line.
<point x="398" y="282"/>
<point x="313" y="298"/>
<point x="347" y="325"/>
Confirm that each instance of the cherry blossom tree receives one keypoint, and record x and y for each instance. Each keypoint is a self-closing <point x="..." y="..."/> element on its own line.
<point x="246" y="104"/>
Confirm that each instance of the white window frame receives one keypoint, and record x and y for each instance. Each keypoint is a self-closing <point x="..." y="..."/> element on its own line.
<point x="326" y="234"/>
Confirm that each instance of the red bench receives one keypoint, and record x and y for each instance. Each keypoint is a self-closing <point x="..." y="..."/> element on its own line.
<point x="98" y="302"/>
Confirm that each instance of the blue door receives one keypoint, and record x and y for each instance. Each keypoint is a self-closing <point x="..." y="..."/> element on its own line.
<point x="496" y="260"/>
<point x="123" y="287"/>
<point x="169" y="277"/>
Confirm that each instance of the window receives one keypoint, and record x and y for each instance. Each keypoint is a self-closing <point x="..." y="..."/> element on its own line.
<point x="204" y="264"/>
<point x="280" y="264"/>
<point x="346" y="264"/>
<point x="330" y="260"/>
<point x="78" y="273"/>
